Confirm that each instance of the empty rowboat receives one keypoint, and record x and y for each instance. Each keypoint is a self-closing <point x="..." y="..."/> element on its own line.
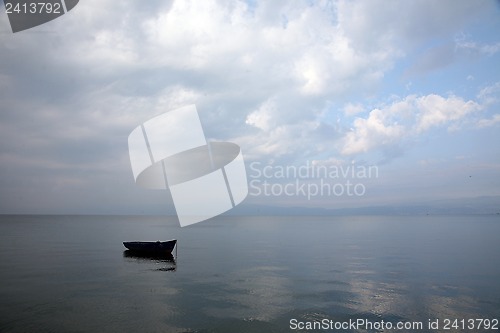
<point x="151" y="247"/>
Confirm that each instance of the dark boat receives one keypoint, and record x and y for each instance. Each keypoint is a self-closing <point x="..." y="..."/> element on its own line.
<point x="151" y="247"/>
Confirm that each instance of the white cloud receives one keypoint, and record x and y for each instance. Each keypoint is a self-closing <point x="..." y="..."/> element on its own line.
<point x="462" y="43"/>
<point x="351" y="109"/>
<point x="376" y="130"/>
<point x="285" y="141"/>
<point x="490" y="95"/>
<point x="489" y="122"/>
<point x="434" y="110"/>
<point x="405" y="118"/>
<point x="261" y="118"/>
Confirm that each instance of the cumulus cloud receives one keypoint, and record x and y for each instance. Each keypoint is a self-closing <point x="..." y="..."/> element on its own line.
<point x="434" y="110"/>
<point x="376" y="130"/>
<point x="405" y="118"/>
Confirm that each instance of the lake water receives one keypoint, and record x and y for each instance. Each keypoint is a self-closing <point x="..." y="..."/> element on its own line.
<point x="247" y="274"/>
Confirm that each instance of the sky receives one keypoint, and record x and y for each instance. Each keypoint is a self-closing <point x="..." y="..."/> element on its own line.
<point x="410" y="88"/>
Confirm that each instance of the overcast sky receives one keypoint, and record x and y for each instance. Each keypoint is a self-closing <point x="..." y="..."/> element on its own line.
<point x="411" y="87"/>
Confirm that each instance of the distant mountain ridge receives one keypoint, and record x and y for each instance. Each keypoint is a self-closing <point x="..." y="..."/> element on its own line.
<point x="462" y="206"/>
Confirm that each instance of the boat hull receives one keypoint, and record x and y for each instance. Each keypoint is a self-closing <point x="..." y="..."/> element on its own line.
<point x="151" y="247"/>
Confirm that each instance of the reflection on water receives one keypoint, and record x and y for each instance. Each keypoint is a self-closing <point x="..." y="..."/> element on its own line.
<point x="258" y="293"/>
<point x="166" y="260"/>
<point x="149" y="256"/>
<point x="245" y="274"/>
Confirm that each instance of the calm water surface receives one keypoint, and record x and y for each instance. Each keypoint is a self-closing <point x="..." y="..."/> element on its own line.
<point x="245" y="274"/>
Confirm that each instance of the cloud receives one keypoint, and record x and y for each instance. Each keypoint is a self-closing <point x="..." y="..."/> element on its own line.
<point x="374" y="131"/>
<point x="434" y="110"/>
<point x="405" y="118"/>
<point x="435" y="58"/>
<point x="490" y="94"/>
<point x="267" y="75"/>
<point x="351" y="109"/>
<point x="489" y="122"/>
<point x="450" y="51"/>
<point x="464" y="44"/>
<point x="370" y="25"/>
<point x="261" y="118"/>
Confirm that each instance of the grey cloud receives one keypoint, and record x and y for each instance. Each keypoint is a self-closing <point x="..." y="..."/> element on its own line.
<point x="379" y="23"/>
<point x="434" y="58"/>
<point x="71" y="95"/>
